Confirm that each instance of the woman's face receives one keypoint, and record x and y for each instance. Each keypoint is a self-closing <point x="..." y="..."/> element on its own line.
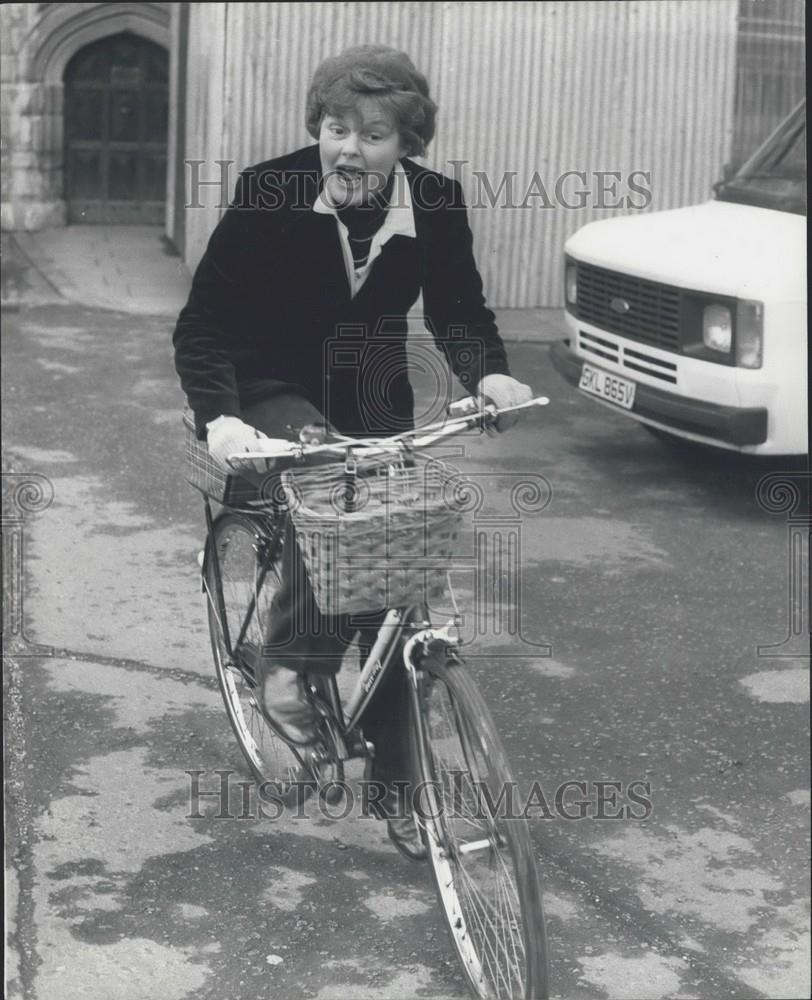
<point x="358" y="151"/>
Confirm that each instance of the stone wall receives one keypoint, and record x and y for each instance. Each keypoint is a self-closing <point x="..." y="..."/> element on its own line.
<point x="31" y="127"/>
<point x="36" y="43"/>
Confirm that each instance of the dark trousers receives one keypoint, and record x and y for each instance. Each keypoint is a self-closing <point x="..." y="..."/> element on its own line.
<point x="299" y="637"/>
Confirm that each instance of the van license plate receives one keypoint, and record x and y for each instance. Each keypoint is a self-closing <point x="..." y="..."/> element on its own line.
<point x="599" y="383"/>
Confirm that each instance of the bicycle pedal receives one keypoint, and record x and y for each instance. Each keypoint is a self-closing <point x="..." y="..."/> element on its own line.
<point x="332" y="793"/>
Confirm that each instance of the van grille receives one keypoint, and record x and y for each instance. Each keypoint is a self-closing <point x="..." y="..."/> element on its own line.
<point x="604" y="349"/>
<point x="653" y="313"/>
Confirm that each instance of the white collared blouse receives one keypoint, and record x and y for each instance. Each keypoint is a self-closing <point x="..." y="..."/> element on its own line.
<point x="399" y="221"/>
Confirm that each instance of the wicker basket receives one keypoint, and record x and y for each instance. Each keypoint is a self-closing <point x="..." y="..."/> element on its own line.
<point x="205" y="475"/>
<point x="392" y="549"/>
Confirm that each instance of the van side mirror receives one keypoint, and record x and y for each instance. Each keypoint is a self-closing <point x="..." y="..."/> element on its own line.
<point x="728" y="170"/>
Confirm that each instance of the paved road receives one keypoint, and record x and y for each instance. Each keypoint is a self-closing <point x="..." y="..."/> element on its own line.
<point x="653" y="575"/>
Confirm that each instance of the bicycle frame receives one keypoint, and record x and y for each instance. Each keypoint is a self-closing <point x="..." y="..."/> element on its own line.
<point x="497" y="857"/>
<point x="347" y="718"/>
<point x="381" y="659"/>
<point x="464" y="415"/>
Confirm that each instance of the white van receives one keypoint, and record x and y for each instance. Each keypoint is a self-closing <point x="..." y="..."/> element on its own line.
<point x="693" y="321"/>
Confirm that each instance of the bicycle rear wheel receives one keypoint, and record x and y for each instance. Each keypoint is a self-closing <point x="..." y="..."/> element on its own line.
<point x="480" y="850"/>
<point x="249" y="555"/>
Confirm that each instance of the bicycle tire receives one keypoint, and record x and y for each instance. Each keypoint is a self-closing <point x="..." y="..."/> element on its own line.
<point x="489" y="894"/>
<point x="237" y="538"/>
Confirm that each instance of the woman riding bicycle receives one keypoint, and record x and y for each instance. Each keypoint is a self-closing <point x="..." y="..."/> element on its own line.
<point x="297" y="316"/>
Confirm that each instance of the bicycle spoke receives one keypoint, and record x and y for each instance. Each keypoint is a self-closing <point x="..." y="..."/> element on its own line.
<point x="489" y="910"/>
<point x="471" y="925"/>
<point x="483" y="864"/>
<point x="518" y="954"/>
<point x="503" y="937"/>
<point x="480" y="919"/>
<point x="511" y="923"/>
<point x="248" y="586"/>
<point x="493" y="913"/>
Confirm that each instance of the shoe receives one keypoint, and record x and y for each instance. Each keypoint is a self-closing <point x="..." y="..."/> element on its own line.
<point x="283" y="701"/>
<point x="404" y="834"/>
<point x="401" y="824"/>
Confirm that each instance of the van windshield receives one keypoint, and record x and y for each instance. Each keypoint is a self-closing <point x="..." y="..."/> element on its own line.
<point x="775" y="176"/>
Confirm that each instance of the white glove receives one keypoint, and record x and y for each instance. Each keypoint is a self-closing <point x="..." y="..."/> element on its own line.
<point x="228" y="435"/>
<point x="504" y="391"/>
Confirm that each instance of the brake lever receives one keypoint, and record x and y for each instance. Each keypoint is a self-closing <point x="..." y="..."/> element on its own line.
<point x="489" y="421"/>
<point x="471" y="407"/>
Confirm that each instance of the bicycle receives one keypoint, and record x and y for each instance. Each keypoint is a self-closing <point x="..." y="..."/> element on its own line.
<point x="483" y="863"/>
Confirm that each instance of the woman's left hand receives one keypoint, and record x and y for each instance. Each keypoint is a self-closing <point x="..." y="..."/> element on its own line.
<point x="504" y="391"/>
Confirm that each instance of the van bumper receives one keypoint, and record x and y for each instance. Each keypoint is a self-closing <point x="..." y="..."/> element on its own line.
<point x="730" y="425"/>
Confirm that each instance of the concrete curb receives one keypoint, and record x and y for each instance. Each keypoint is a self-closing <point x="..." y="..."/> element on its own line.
<point x="124" y="269"/>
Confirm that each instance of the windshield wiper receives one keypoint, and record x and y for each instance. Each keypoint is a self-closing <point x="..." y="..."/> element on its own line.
<point x="767" y="175"/>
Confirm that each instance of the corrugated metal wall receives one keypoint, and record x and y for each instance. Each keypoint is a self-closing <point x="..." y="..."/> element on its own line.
<point x="536" y="89"/>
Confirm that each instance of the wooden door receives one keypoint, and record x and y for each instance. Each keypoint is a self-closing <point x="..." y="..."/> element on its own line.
<point x="116" y="101"/>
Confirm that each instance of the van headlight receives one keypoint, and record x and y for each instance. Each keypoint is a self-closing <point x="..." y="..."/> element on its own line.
<point x="749" y="333"/>
<point x="717" y="328"/>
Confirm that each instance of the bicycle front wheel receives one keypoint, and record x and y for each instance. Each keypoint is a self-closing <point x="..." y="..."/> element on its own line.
<point x="249" y="556"/>
<point x="480" y="847"/>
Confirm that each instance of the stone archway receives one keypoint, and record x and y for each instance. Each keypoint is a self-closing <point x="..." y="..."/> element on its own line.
<point x="34" y="190"/>
<point x="65" y="28"/>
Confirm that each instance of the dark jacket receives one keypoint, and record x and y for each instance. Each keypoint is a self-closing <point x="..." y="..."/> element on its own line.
<point x="270" y="300"/>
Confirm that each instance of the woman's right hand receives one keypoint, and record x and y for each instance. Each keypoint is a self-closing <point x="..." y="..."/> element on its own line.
<point x="228" y="435"/>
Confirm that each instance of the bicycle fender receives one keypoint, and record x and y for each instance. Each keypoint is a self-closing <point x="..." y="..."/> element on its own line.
<point x="437" y="654"/>
<point x="204" y="564"/>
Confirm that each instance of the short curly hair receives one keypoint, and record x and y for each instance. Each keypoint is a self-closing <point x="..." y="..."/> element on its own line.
<point x="388" y="77"/>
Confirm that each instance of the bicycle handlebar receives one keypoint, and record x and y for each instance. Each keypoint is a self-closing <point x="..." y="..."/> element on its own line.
<point x="464" y="414"/>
